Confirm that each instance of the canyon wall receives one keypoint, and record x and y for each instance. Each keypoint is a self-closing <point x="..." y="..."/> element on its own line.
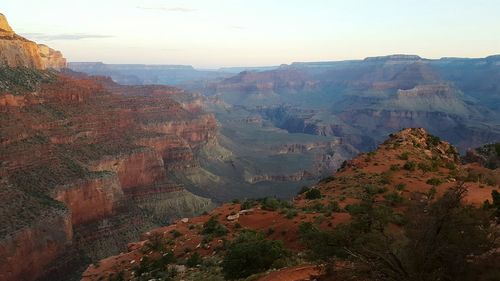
<point x="83" y="146"/>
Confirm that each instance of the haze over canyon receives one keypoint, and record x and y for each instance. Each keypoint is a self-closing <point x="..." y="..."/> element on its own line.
<point x="335" y="170"/>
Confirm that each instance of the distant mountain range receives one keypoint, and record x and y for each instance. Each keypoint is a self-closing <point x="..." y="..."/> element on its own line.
<point x="364" y="100"/>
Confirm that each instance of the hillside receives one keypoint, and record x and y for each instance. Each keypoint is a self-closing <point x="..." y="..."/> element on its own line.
<point x="410" y="169"/>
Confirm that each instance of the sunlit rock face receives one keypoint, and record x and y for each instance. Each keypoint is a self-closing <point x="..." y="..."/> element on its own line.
<point x="18" y="51"/>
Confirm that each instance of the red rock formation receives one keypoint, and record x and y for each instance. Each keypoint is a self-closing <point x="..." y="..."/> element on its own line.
<point x="83" y="142"/>
<point x="140" y="168"/>
<point x="92" y="199"/>
<point x="25" y="254"/>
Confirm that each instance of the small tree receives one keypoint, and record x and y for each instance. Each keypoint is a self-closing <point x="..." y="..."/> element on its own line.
<point x="251" y="253"/>
<point x="313" y="194"/>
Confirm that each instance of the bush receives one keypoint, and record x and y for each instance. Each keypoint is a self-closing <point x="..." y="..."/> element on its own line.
<point x="214" y="228"/>
<point x="434" y="181"/>
<point x="273" y="204"/>
<point x="156" y="268"/>
<point x="313" y="194"/>
<point x="373" y="189"/>
<point x="248" y="204"/>
<point x="194" y="260"/>
<point x="404" y="156"/>
<point x="175" y="233"/>
<point x="410" y="166"/>
<point x="401" y="186"/>
<point x="251" y="253"/>
<point x="394" y="167"/>
<point x="433" y="140"/>
<point x="393" y="198"/>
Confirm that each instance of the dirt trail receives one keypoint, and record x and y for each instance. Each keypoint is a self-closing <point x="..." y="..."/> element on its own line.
<point x="297" y="273"/>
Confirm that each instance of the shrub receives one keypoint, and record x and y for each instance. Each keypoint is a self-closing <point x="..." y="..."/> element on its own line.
<point x="270" y="204"/>
<point x="434" y="181"/>
<point x="394" y="167"/>
<point x="248" y="204"/>
<point x="393" y="198"/>
<point x="410" y="166"/>
<point x="194" y="260"/>
<point x="291" y="213"/>
<point x="175" y="233"/>
<point x="373" y="189"/>
<point x="404" y="156"/>
<point x="313" y="194"/>
<point x="251" y="253"/>
<point x="213" y="227"/>
<point x="401" y="186"/>
<point x="155" y="268"/>
<point x="385" y="178"/>
<point x="432" y="140"/>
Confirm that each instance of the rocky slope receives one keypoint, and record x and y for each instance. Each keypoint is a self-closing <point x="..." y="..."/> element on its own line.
<point x="434" y="168"/>
<point x="84" y="167"/>
<point x="20" y="52"/>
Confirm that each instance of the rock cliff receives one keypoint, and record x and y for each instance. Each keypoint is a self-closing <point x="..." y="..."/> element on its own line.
<point x="21" y="52"/>
<point x="84" y="168"/>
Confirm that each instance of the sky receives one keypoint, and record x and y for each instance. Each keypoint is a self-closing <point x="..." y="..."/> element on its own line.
<point x="217" y="33"/>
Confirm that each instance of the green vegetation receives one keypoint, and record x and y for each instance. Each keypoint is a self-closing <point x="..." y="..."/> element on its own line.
<point x="175" y="233"/>
<point x="432" y="140"/>
<point x="393" y="198"/>
<point x="251" y="253"/>
<point x="273" y="204"/>
<point x="312" y="194"/>
<point x="434" y="181"/>
<point x="23" y="79"/>
<point x="194" y="260"/>
<point x="400" y="186"/>
<point x="410" y="166"/>
<point x="404" y="156"/>
<point x="494" y="205"/>
<point x="213" y="228"/>
<point x="394" y="167"/>
<point x="156" y="268"/>
<point x="438" y="244"/>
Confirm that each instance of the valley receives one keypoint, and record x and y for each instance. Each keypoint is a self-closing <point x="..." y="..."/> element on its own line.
<point x="336" y="170"/>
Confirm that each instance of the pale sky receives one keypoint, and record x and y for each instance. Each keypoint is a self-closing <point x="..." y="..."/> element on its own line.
<point x="215" y="33"/>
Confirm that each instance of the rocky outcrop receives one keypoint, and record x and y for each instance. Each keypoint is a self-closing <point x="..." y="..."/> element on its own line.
<point x="25" y="253"/>
<point x="139" y="168"/>
<point x="17" y="51"/>
<point x="91" y="199"/>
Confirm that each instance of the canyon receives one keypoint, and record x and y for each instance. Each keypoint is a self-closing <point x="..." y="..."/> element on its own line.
<point x="95" y="156"/>
<point x="385" y="172"/>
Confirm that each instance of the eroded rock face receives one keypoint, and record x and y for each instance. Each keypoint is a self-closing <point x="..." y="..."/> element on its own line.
<point x="4" y="25"/>
<point x="91" y="199"/>
<point x="17" y="51"/>
<point x="26" y="253"/>
<point x="81" y="145"/>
